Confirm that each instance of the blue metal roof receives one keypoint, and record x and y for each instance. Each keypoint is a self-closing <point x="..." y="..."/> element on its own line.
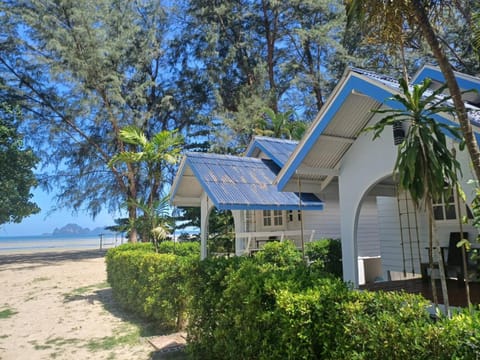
<point x="241" y="183"/>
<point x="279" y="150"/>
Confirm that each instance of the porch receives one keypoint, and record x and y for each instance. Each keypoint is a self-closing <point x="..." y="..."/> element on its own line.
<point x="456" y="289"/>
<point x="253" y="241"/>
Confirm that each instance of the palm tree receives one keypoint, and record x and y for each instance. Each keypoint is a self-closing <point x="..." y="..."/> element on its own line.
<point x="151" y="158"/>
<point x="387" y="19"/>
<point x="426" y="168"/>
<point x="280" y="125"/>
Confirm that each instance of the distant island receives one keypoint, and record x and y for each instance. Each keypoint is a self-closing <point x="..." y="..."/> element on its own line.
<point x="74" y="229"/>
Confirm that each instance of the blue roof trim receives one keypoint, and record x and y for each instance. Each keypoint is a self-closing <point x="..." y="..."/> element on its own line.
<point x="228" y="183"/>
<point x="436" y="74"/>
<point x="352" y="83"/>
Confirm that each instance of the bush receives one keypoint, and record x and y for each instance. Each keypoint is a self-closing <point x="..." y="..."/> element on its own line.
<point x="151" y="284"/>
<point x="326" y="255"/>
<point x="274" y="306"/>
<point x="235" y="311"/>
<point x="187" y="248"/>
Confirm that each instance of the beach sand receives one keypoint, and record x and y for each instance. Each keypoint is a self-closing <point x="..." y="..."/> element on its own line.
<point x="58" y="305"/>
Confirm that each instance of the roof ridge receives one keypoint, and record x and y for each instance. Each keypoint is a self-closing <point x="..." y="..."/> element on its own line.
<point x="374" y="74"/>
<point x="268" y="138"/>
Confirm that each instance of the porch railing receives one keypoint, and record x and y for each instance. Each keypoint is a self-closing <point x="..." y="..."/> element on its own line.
<point x="255" y="240"/>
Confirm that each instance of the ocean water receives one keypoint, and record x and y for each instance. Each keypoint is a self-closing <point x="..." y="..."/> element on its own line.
<point x="15" y="244"/>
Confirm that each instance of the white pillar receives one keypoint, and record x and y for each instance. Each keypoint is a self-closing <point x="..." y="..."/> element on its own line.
<point x="348" y="226"/>
<point x="205" y="208"/>
<point x="239" y="225"/>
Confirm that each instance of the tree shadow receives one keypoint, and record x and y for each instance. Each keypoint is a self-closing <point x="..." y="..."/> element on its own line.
<point x="38" y="259"/>
<point x="106" y="298"/>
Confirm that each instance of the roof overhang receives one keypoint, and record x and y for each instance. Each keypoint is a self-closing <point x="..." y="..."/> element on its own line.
<point x="234" y="183"/>
<point x="318" y="157"/>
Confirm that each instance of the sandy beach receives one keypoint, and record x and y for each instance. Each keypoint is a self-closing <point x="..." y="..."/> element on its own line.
<point x="58" y="305"/>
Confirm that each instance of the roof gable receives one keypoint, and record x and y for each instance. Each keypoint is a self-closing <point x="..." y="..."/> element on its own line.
<point x="338" y="124"/>
<point x="279" y="150"/>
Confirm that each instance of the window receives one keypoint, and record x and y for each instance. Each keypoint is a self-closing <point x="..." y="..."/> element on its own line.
<point x="446" y="209"/>
<point x="291" y="216"/>
<point x="272" y="218"/>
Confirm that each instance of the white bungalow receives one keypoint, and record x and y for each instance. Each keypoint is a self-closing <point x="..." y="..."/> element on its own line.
<point x="336" y="150"/>
<point x="382" y="235"/>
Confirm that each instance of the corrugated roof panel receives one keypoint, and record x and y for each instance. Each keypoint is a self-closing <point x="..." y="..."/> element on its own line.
<point x="244" y="183"/>
<point x="279" y="150"/>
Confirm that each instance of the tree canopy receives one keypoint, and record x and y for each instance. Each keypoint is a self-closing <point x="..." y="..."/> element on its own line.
<point x="16" y="170"/>
<point x="83" y="71"/>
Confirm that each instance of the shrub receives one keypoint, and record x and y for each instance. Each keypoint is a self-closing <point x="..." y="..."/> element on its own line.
<point x="187" y="248"/>
<point x="282" y="254"/>
<point x="206" y="311"/>
<point x="382" y="325"/>
<point x="326" y="255"/>
<point x="150" y="284"/>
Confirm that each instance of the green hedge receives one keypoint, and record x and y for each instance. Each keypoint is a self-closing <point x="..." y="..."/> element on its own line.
<point x="274" y="306"/>
<point x="152" y="285"/>
<point x="326" y="255"/>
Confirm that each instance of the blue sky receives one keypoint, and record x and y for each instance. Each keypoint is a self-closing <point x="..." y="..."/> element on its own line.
<point x="43" y="222"/>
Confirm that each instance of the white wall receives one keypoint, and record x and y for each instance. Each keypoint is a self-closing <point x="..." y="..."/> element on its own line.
<point x="392" y="253"/>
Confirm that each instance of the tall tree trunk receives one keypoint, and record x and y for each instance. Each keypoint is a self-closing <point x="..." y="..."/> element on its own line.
<point x="317" y="90"/>
<point x="271" y="29"/>
<point x="132" y="217"/>
<point x="428" y="32"/>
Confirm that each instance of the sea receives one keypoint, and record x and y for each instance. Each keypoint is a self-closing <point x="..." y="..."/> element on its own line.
<point x="18" y="244"/>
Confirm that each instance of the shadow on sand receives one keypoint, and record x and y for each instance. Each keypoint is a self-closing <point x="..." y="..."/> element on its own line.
<point x="50" y="258"/>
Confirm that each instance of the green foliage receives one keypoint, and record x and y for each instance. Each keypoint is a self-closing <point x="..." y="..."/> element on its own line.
<point x="425" y="164"/>
<point x="221" y="232"/>
<point x="84" y="71"/>
<point x="188" y="249"/>
<point x="279" y="254"/>
<point x="280" y="125"/>
<point x="383" y="326"/>
<point x="326" y="255"/>
<point x="274" y="306"/>
<point x="16" y="170"/>
<point x="150" y="284"/>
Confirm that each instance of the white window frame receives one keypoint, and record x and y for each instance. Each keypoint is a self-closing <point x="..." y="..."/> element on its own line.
<point x="444" y="205"/>
<point x="273" y="219"/>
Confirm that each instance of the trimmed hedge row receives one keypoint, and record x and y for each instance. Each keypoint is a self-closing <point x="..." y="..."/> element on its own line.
<point x="152" y="285"/>
<point x="274" y="306"/>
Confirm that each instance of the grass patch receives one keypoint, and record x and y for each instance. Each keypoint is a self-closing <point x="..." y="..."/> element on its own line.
<point x="38" y="346"/>
<point x="110" y="342"/>
<point x="62" y="341"/>
<point x="41" y="278"/>
<point x="6" y="313"/>
<point x="4" y="336"/>
<point x="54" y="343"/>
<point x="75" y="293"/>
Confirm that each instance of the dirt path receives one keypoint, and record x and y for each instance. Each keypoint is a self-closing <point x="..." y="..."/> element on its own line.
<point x="59" y="306"/>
